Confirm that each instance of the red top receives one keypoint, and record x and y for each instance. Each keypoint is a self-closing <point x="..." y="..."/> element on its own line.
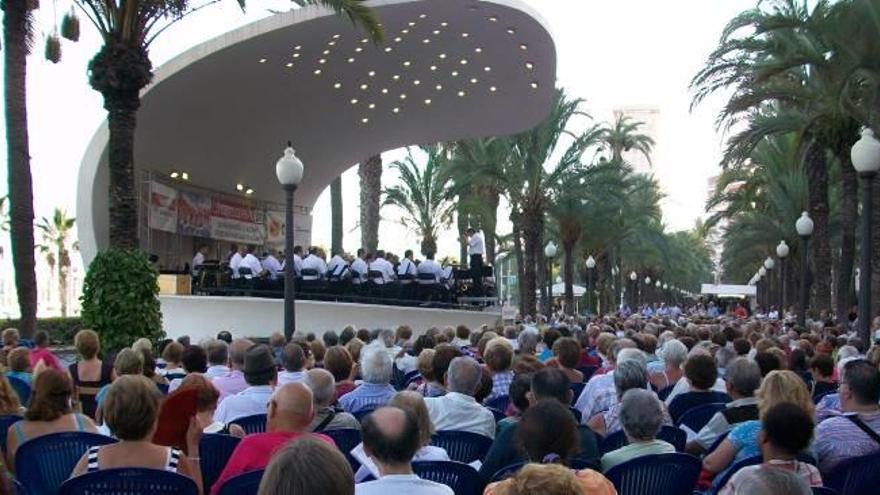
<point x="255" y="450"/>
<point x="44" y="354"/>
<point x="740" y="312"/>
<point x="343" y="388"/>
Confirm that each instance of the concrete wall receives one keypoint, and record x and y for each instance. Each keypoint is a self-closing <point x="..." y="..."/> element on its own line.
<point x="201" y="317"/>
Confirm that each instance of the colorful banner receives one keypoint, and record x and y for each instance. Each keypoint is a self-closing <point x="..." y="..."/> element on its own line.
<point x="233" y="211"/>
<point x="274" y="227"/>
<point x="163" y="208"/>
<point x="194" y="214"/>
<point x="237" y="231"/>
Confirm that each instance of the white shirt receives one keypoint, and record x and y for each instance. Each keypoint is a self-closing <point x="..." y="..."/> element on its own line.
<point x="406" y="267"/>
<point x="313" y="262"/>
<point x="407" y="363"/>
<point x="384" y="266"/>
<point x="251" y="261"/>
<point x="217" y="370"/>
<point x="409" y="484"/>
<point x="432" y="267"/>
<point x="336" y="267"/>
<point x="297" y="264"/>
<point x="360" y="266"/>
<point x="368" y="467"/>
<point x="198" y="260"/>
<point x="250" y="401"/>
<point x="285" y="377"/>
<point x="234" y="263"/>
<point x="475" y="244"/>
<point x="272" y="265"/>
<point x="459" y="412"/>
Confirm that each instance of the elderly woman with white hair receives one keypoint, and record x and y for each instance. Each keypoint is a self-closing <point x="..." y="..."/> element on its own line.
<point x="376" y="389"/>
<point x="628" y="375"/>
<point x="673" y="353"/>
<point x="641" y="416"/>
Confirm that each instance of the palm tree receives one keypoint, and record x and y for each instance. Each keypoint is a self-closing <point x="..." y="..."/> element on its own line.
<point x="122" y="68"/>
<point x="623" y="135"/>
<point x="17" y="41"/>
<point x="370" y="174"/>
<point x="424" y="194"/>
<point x="336" y="215"/>
<point x="55" y="232"/>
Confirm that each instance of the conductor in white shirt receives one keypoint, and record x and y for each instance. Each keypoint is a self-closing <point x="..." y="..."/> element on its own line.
<point x="475" y="250"/>
<point x="314" y="262"/>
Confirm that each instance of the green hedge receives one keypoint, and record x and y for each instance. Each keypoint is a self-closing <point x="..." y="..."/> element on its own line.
<point x="61" y="330"/>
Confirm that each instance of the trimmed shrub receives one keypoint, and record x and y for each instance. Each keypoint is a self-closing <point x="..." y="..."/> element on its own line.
<point x="61" y="330"/>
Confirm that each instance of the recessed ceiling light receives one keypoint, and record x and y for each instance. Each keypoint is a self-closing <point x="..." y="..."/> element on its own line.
<point x="426" y="41"/>
<point x="444" y="23"/>
<point x="239" y="187"/>
<point x="396" y="77"/>
<point x="174" y="175"/>
<point x="433" y="67"/>
<point x="262" y="60"/>
<point x="337" y="85"/>
<point x="474" y="80"/>
<point x="372" y="73"/>
<point x="464" y="35"/>
<point x="530" y="65"/>
<point x="402" y="96"/>
<point x="416" y="82"/>
<point x="534" y="85"/>
<point x="326" y="52"/>
<point x="384" y="91"/>
<point x="317" y="72"/>
<point x="335" y="36"/>
<point x="493" y="19"/>
<point x="364" y="87"/>
<point x="288" y="64"/>
<point x="298" y="47"/>
<point x="487" y="69"/>
<point x="358" y="49"/>
<point x="395" y="110"/>
<point x="510" y="30"/>
<point x="478" y="50"/>
<point x="184" y="176"/>
<point x="455" y="73"/>
<point x="351" y="60"/>
<point x="322" y="61"/>
<point x="388" y="49"/>
<point x="423" y="16"/>
<point x="461" y="93"/>
<point x="331" y="43"/>
<point x="524" y="47"/>
<point x="436" y="31"/>
<point x="493" y="89"/>
<point x="249" y="191"/>
<point x="411" y="23"/>
<point x="439" y="87"/>
<point x="365" y="120"/>
<point x="404" y="31"/>
<point x="296" y="55"/>
<point x="464" y="61"/>
<point x="372" y="106"/>
<point x="407" y="63"/>
<point x="364" y="40"/>
<point x="398" y="39"/>
<point x="428" y="101"/>
<point x="442" y="55"/>
<point x="354" y="101"/>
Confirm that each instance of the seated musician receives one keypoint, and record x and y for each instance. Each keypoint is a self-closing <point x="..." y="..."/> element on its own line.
<point x="250" y="261"/>
<point x="380" y="264"/>
<point x="360" y="266"/>
<point x="406" y="270"/>
<point x="337" y="267"/>
<point x="314" y="262"/>
<point x="271" y="264"/>
<point x="432" y="267"/>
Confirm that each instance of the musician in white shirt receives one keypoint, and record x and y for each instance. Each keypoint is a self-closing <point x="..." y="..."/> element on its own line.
<point x="297" y="260"/>
<point x="199" y="259"/>
<point x="271" y="264"/>
<point x="337" y="265"/>
<point x="235" y="261"/>
<point x="251" y="261"/>
<point x="314" y="262"/>
<point x="380" y="264"/>
<point x="432" y="267"/>
<point x="360" y="265"/>
<point x="406" y="270"/>
<point x="476" y="250"/>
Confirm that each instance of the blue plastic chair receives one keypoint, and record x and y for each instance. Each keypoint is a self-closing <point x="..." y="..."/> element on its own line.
<point x="361" y="413"/>
<point x="664" y="392"/>
<point x="411" y="377"/>
<point x="462" y="446"/>
<point x="669" y="474"/>
<point x="346" y="439"/>
<point x="251" y="424"/>
<point x="463" y="479"/>
<point x="588" y="372"/>
<point x="676" y="436"/>
<point x="507" y="471"/>
<point x="576" y="389"/>
<point x="21" y="388"/>
<point x="499" y="415"/>
<point x="163" y="388"/>
<point x="683" y="403"/>
<point x="723" y="477"/>
<point x="128" y="481"/>
<point x="43" y="463"/>
<point x="696" y="418"/>
<point x="215" y="450"/>
<point x="6" y="420"/>
<point x="855" y="476"/>
<point x="824" y="490"/>
<point x="499" y="403"/>
<point x="244" y="484"/>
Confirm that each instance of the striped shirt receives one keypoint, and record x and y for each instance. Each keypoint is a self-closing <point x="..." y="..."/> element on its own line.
<point x="838" y="439"/>
<point x="367" y="396"/>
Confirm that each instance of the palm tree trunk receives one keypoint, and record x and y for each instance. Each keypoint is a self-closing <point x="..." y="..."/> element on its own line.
<point x="848" y="220"/>
<point x="370" y="173"/>
<point x="816" y="163"/>
<point x="336" y="215"/>
<point x="568" y="275"/>
<point x="520" y="262"/>
<point x="62" y="288"/>
<point x="122" y="120"/>
<point x="533" y="229"/>
<point x="461" y="216"/>
<point x="16" y="28"/>
<point x="875" y="254"/>
<point x="490" y="198"/>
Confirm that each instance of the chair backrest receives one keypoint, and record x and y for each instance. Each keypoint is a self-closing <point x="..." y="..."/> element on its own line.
<point x="507" y="471"/>
<point x="696" y="418"/>
<point x="6" y="420"/>
<point x="824" y="490"/>
<point x="723" y="477"/>
<point x="588" y="371"/>
<point x="689" y="400"/>
<point x="21" y="388"/>
<point x="499" y="415"/>
<point x="215" y="450"/>
<point x="251" y="424"/>
<point x="855" y="476"/>
<point x="346" y="439"/>
<point x="499" y="402"/>
<point x="361" y="413"/>
<point x="669" y="474"/>
<point x="128" y="481"/>
<point x="462" y="478"/>
<point x="163" y="388"/>
<point x="411" y="377"/>
<point x="244" y="484"/>
<point x="309" y="272"/>
<point x="462" y="446"/>
<point x="818" y="397"/>
<point x="43" y="463"/>
<point x="676" y="436"/>
<point x="576" y="389"/>
<point x="664" y="392"/>
<point x="717" y="442"/>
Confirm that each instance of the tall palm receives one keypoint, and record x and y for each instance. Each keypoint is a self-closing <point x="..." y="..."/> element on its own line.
<point x="55" y="233"/>
<point x="624" y="135"/>
<point x="17" y="41"/>
<point x="424" y="194"/>
<point x="370" y="175"/>
<point x="122" y="68"/>
<point x="336" y="215"/>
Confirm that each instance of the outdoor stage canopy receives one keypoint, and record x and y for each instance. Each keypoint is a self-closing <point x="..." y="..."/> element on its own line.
<point x="224" y="110"/>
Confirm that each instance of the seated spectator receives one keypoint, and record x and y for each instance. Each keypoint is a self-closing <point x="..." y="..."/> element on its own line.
<point x="599" y="395"/>
<point x="443" y="355"/>
<point x="339" y="363"/>
<point x="260" y="375"/>
<point x="391" y="439"/>
<point x="128" y="362"/>
<point x="743" y="378"/>
<point x="407" y="362"/>
<point x="327" y="417"/>
<point x="206" y="405"/>
<point x="218" y="359"/>
<point x="172" y="355"/>
<point x="318" y="351"/>
<point x="484" y="389"/>
<point x="234" y="382"/>
<point x="131" y="410"/>
<point x="277" y="343"/>
<point x="546" y="384"/>
<point x="90" y="373"/>
<point x="194" y="360"/>
<point x="822" y="370"/>
<point x="701" y="373"/>
<point x="19" y="360"/>
<point x="289" y="416"/>
<point x="376" y="389"/>
<point x="49" y="412"/>
<point x="549" y="338"/>
<point x="527" y="343"/>
<point x="149" y="367"/>
<point x="786" y="431"/>
<point x="768" y="361"/>
<point x="225" y="336"/>
<point x="462" y="336"/>
<point x="10" y="403"/>
<point x="414" y="404"/>
<point x="519" y="389"/>
<point x="843" y="437"/>
<point x="293" y="359"/>
<point x="567" y="352"/>
<point x="307" y="465"/>
<point x="742" y="441"/>
<point x="673" y="354"/>
<point x="42" y="353"/>
<point x="498" y="358"/>
<point x="797" y="362"/>
<point x="684" y="385"/>
<point x="773" y="482"/>
<point x="628" y="375"/>
<point x="641" y="418"/>
<point x="11" y="338"/>
<point x="552" y="479"/>
<point x="458" y="410"/>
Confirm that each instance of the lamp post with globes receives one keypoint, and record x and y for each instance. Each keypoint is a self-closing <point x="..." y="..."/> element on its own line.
<point x="865" y="156"/>
<point x="646" y="297"/>
<point x="658" y="296"/>
<point x="591" y="264"/>
<point x="782" y="252"/>
<point x="762" y="273"/>
<point x="634" y="278"/>
<point x="804" y="227"/>
<point x="769" y="264"/>
<point x="289" y="170"/>
<point x="666" y="293"/>
<point x="549" y="253"/>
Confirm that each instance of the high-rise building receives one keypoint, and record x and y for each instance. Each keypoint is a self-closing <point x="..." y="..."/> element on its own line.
<point x="650" y="119"/>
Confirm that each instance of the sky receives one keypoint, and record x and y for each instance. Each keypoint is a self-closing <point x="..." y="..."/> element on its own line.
<point x="612" y="53"/>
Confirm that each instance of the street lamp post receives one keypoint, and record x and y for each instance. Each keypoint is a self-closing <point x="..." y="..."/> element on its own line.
<point x="782" y="253"/>
<point x="666" y="293"/>
<point x="866" y="160"/>
<point x="549" y="253"/>
<point x="804" y="227"/>
<point x="634" y="278"/>
<point x="289" y="170"/>
<point x="646" y="297"/>
<point x="762" y="273"/>
<point x="658" y="295"/>
<point x="769" y="264"/>
<point x="591" y="264"/>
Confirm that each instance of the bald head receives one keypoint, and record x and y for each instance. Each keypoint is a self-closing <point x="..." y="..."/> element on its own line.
<point x="290" y="408"/>
<point x="322" y="385"/>
<point x="390" y="436"/>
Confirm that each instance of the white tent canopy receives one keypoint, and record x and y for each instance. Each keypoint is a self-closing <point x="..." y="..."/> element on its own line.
<point x="559" y="290"/>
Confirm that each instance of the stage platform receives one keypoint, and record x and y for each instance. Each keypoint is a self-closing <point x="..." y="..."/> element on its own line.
<point x="201" y="317"/>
